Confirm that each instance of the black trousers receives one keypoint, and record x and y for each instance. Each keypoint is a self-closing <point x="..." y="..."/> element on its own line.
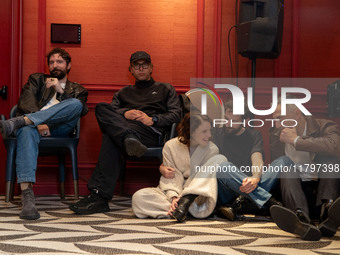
<point x="112" y="154"/>
<point x="293" y="189"/>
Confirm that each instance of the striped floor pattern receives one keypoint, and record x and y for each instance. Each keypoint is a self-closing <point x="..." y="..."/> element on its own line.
<point x="59" y="231"/>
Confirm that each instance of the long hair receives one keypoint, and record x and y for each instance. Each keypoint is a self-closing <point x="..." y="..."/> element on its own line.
<point x="190" y="122"/>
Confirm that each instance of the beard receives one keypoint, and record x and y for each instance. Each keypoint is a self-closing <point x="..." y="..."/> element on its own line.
<point x="57" y="73"/>
<point x="232" y="131"/>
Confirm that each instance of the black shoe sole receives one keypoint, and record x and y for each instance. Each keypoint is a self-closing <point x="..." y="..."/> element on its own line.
<point x="30" y="217"/>
<point x="134" y="148"/>
<point x="329" y="226"/>
<point x="87" y="211"/>
<point x="288" y="221"/>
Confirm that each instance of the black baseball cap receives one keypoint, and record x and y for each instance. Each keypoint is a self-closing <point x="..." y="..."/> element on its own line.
<point x="140" y="55"/>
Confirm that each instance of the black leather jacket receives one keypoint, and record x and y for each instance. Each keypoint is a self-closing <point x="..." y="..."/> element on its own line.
<point x="35" y="95"/>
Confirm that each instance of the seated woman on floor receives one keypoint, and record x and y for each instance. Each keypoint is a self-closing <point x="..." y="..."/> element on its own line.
<point x="193" y="188"/>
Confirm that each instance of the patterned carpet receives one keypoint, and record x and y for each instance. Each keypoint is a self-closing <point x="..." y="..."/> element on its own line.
<point x="59" y="231"/>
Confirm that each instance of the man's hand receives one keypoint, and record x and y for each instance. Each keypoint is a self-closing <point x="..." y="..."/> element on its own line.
<point x="139" y="116"/>
<point x="167" y="172"/>
<point x="249" y="184"/>
<point x="288" y="135"/>
<point x="145" y="119"/>
<point x="173" y="205"/>
<point x="54" y="82"/>
<point x="43" y="130"/>
<point x="132" y="114"/>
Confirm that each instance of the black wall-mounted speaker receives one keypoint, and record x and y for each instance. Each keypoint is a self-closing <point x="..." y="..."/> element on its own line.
<point x="259" y="32"/>
<point x="65" y="33"/>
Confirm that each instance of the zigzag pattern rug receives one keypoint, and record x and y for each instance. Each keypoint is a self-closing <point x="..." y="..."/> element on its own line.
<point x="59" y="231"/>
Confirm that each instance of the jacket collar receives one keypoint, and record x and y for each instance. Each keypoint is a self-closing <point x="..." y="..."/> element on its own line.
<point x="313" y="128"/>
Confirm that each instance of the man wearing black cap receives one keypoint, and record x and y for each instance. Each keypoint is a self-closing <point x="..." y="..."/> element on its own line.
<point x="137" y="118"/>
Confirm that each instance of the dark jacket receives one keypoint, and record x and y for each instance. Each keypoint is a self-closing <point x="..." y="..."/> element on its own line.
<point x="154" y="98"/>
<point x="322" y="140"/>
<point x="35" y="95"/>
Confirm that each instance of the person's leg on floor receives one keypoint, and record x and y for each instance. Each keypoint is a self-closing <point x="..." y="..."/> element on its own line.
<point x="28" y="140"/>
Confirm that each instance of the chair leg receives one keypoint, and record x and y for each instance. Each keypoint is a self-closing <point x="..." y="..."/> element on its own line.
<point x="62" y="175"/>
<point x="62" y="190"/>
<point x="121" y="187"/>
<point x="74" y="159"/>
<point x="9" y="191"/>
<point x="76" y="189"/>
<point x="10" y="170"/>
<point x="122" y="178"/>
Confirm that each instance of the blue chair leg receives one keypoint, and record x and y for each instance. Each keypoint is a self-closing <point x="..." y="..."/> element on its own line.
<point x="9" y="191"/>
<point x="74" y="161"/>
<point x="62" y="175"/>
<point x="122" y="178"/>
<point x="10" y="172"/>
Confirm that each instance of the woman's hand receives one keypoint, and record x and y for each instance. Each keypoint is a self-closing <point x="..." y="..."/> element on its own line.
<point x="167" y="172"/>
<point x="173" y="205"/>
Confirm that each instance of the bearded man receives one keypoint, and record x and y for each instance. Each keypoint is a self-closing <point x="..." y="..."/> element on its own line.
<point x="49" y="105"/>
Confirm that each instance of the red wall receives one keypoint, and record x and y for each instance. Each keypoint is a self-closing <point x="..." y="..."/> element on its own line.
<point x="5" y="43"/>
<point x="319" y="50"/>
<point x="185" y="39"/>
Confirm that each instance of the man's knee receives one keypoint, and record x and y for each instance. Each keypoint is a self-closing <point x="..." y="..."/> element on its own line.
<point x="137" y="196"/>
<point x="145" y="194"/>
<point x="75" y="104"/>
<point x="28" y="131"/>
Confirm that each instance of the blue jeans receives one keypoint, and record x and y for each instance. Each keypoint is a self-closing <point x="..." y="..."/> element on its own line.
<point x="229" y="183"/>
<point x="61" y="118"/>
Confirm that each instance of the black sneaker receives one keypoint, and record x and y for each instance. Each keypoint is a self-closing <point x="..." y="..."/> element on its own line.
<point x="94" y="203"/>
<point x="291" y="222"/>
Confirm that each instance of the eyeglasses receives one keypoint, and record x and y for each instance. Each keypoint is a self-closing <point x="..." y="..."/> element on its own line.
<point x="137" y="66"/>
